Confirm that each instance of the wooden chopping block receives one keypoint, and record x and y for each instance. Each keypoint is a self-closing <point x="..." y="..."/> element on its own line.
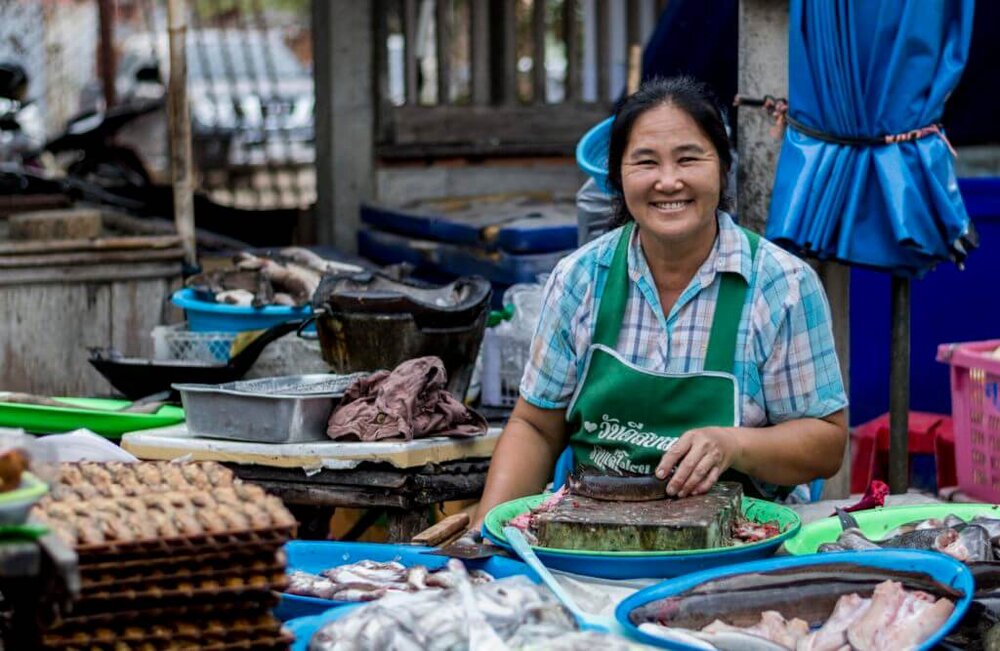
<point x="698" y="522"/>
<point x="75" y="224"/>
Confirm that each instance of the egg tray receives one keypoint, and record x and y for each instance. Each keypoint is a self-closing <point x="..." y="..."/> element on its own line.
<point x="112" y="578"/>
<point x="209" y="632"/>
<point x="271" y="643"/>
<point x="128" y="479"/>
<point x="250" y="604"/>
<point x="209" y="590"/>
<point x="256" y="540"/>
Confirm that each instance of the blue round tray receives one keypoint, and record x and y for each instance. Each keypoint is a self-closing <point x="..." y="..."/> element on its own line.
<point x="637" y="565"/>
<point x="941" y="568"/>
<point x="314" y="557"/>
<point x="204" y="316"/>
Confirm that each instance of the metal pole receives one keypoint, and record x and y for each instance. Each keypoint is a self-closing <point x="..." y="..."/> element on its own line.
<point x="899" y="388"/>
<point x="106" y="50"/>
<point x="180" y="130"/>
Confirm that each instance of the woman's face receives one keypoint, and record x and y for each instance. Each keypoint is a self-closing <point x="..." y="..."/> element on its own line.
<point x="671" y="176"/>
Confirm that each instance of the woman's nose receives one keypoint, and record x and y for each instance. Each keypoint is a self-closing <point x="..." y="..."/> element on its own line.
<point x="668" y="180"/>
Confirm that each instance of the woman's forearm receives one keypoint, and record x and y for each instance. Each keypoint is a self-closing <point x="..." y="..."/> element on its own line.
<point x="522" y="464"/>
<point x="793" y="452"/>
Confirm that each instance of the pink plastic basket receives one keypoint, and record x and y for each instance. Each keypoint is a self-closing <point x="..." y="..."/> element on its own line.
<point x="975" y="408"/>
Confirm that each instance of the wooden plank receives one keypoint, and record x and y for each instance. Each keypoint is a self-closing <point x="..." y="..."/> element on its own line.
<point x="571" y="34"/>
<point x="633" y="22"/>
<point x="410" y="50"/>
<point x="46" y="335"/>
<point x="304" y="493"/>
<point x="538" y="73"/>
<point x="89" y="273"/>
<point x="603" y="28"/>
<point x="137" y="307"/>
<point x="72" y="224"/>
<point x="837" y="282"/>
<point x="392" y="478"/>
<point x="442" y="42"/>
<point x="479" y="29"/>
<point x="89" y="258"/>
<point x="173" y="442"/>
<point x="100" y="244"/>
<point x="509" y="52"/>
<point x="494" y="127"/>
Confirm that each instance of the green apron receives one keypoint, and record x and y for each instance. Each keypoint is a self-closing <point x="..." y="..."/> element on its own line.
<point x="623" y="418"/>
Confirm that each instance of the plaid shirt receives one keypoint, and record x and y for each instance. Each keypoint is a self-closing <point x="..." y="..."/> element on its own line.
<point x="786" y="365"/>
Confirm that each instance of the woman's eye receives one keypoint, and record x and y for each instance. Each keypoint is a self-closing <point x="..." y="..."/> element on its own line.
<point x="687" y="159"/>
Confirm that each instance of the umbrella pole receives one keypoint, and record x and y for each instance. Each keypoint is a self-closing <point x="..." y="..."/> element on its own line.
<point x="899" y="388"/>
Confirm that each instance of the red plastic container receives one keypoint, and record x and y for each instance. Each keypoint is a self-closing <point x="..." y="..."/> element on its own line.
<point x="975" y="408"/>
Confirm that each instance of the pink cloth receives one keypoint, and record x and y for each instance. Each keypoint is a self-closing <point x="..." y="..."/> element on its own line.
<point x="410" y="402"/>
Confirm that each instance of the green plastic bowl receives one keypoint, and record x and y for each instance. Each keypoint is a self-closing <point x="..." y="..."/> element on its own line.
<point x="15" y="504"/>
<point x="877" y="522"/>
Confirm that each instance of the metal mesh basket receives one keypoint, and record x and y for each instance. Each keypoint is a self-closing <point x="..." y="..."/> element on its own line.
<point x="177" y="342"/>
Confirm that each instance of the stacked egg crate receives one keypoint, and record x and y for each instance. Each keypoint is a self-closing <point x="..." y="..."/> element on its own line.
<point x="171" y="556"/>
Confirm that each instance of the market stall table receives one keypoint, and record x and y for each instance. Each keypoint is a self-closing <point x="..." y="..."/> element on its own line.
<point x="402" y="479"/>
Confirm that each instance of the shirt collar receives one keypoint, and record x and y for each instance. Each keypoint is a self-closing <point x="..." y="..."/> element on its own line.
<point x="730" y="254"/>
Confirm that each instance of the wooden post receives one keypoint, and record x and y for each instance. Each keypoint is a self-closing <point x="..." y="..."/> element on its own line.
<point x="106" y="50"/>
<point x="899" y="388"/>
<point x="345" y="117"/>
<point x="180" y="130"/>
<point x="763" y="69"/>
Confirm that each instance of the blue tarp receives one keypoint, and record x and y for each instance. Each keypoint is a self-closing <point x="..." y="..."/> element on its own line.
<point x="864" y="70"/>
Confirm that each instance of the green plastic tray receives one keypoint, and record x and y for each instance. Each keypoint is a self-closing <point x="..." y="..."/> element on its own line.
<point x="754" y="509"/>
<point x="877" y="522"/>
<point x="52" y="420"/>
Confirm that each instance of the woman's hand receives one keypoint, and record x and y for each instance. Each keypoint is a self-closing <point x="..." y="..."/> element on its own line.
<point x="700" y="456"/>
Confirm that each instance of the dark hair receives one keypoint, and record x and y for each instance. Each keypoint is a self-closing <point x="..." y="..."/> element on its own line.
<point x="689" y="95"/>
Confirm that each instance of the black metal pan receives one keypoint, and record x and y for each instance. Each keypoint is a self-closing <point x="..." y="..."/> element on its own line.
<point x="137" y="377"/>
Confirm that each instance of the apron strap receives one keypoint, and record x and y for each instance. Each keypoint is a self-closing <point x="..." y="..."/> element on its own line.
<point x="611" y="309"/>
<point x="721" y="353"/>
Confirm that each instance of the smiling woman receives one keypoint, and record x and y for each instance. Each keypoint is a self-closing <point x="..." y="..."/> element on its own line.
<point x="710" y="343"/>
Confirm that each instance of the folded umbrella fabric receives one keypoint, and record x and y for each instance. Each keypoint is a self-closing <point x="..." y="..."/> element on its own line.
<point x="410" y="402"/>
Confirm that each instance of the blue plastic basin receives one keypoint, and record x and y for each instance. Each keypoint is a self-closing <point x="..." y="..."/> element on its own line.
<point x="592" y="153"/>
<point x="939" y="567"/>
<point x="204" y="316"/>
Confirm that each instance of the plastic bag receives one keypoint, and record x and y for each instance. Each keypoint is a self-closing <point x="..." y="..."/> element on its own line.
<point x="593" y="212"/>
<point x="20" y="453"/>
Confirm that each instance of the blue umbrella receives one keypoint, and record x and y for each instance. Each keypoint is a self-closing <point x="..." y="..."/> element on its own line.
<point x="866" y="175"/>
<point x="862" y="74"/>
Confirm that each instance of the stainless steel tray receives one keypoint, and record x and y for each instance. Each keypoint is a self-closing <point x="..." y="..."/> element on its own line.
<point x="289" y="409"/>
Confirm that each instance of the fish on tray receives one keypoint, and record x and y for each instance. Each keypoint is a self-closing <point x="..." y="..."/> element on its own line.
<point x="969" y="542"/>
<point x="507" y="613"/>
<point x="818" y="608"/>
<point x="369" y="580"/>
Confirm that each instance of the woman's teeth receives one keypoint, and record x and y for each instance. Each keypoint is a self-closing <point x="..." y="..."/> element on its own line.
<point x="670" y="205"/>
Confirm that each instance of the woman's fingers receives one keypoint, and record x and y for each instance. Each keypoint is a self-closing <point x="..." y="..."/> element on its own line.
<point x="673" y="455"/>
<point x="708" y="482"/>
<point x="708" y="462"/>
<point x="686" y="467"/>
